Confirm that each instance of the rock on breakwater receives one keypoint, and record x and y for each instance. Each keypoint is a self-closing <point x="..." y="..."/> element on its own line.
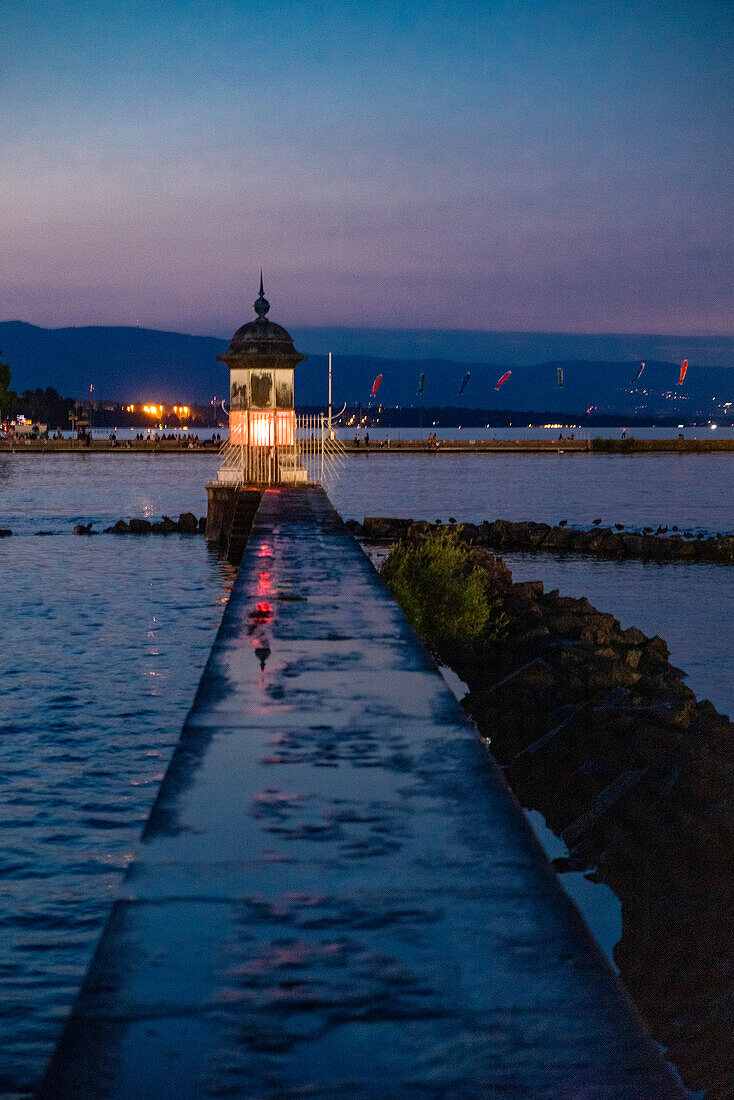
<point x="186" y="524"/>
<point x="603" y="542"/>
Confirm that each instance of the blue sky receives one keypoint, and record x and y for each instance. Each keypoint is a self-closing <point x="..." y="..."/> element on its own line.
<point x="557" y="166"/>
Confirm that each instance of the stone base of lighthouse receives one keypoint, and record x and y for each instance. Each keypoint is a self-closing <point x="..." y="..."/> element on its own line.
<point x="229" y="515"/>
<point x="284" y="470"/>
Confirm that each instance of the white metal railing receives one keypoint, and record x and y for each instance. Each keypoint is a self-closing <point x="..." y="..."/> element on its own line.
<point x="320" y="453"/>
<point x="314" y="457"/>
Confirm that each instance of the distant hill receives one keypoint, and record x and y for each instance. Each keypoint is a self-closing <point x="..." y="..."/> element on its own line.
<point x="515" y="349"/>
<point x="132" y="364"/>
<point x="123" y="364"/>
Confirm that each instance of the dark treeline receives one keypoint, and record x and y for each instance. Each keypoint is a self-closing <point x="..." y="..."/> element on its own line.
<point x="48" y="407"/>
<point x="45" y="406"/>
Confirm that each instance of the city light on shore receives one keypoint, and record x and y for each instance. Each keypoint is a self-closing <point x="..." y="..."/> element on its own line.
<point x="181" y="411"/>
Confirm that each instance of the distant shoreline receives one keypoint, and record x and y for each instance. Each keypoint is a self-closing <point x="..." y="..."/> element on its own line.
<point x="628" y="446"/>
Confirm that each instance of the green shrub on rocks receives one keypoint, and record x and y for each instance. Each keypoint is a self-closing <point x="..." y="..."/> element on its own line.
<point x="442" y="588"/>
<point x="614" y="446"/>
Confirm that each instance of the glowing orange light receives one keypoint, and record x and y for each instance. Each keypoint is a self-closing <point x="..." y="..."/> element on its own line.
<point x="285" y="428"/>
<point x="267" y="428"/>
<point x="238" y="428"/>
<point x="262" y="429"/>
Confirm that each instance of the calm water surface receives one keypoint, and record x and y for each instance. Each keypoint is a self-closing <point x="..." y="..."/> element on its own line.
<point x="45" y="492"/>
<point x="692" y="491"/>
<point x="102" y="642"/>
<point x="101" y="648"/>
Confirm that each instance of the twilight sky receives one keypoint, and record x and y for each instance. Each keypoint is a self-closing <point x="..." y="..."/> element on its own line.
<point x="557" y="165"/>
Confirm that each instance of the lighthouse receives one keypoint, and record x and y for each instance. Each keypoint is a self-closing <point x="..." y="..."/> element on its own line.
<point x="262" y="422"/>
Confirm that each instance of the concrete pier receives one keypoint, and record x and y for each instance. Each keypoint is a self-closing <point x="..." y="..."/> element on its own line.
<point x="335" y="894"/>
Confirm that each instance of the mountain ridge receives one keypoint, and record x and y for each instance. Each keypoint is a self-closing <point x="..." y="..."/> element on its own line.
<point x="126" y="363"/>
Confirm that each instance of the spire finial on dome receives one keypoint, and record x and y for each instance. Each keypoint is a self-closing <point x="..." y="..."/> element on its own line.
<point x="261" y="305"/>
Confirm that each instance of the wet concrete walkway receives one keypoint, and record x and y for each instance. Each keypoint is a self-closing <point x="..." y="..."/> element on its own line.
<point x="335" y="894"/>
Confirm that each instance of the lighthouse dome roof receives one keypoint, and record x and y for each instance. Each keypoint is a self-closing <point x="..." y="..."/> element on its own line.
<point x="261" y="338"/>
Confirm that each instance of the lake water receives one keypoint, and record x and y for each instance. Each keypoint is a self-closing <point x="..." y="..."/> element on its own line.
<point x="692" y="491"/>
<point x="102" y="642"/>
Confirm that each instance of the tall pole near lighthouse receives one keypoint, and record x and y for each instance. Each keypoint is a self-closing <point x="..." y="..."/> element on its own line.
<point x="329" y="395"/>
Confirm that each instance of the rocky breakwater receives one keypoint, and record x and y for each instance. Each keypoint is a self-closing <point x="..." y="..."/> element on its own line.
<point x="596" y="729"/>
<point x="614" y="543"/>
<point x="186" y="524"/>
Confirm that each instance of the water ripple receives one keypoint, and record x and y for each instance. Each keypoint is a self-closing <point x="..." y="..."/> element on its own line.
<point x="102" y="648"/>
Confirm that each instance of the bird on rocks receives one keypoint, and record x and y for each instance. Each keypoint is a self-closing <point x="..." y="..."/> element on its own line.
<point x="619" y="527"/>
<point x="451" y="519"/>
<point x="674" y="528"/>
<point x="596" y="522"/>
<point x="647" y="530"/>
<point x="562" y="522"/>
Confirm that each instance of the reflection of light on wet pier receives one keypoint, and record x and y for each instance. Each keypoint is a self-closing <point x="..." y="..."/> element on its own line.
<point x="335" y="893"/>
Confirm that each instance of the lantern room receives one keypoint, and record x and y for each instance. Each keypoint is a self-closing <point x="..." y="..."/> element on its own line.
<point x="262" y="422"/>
